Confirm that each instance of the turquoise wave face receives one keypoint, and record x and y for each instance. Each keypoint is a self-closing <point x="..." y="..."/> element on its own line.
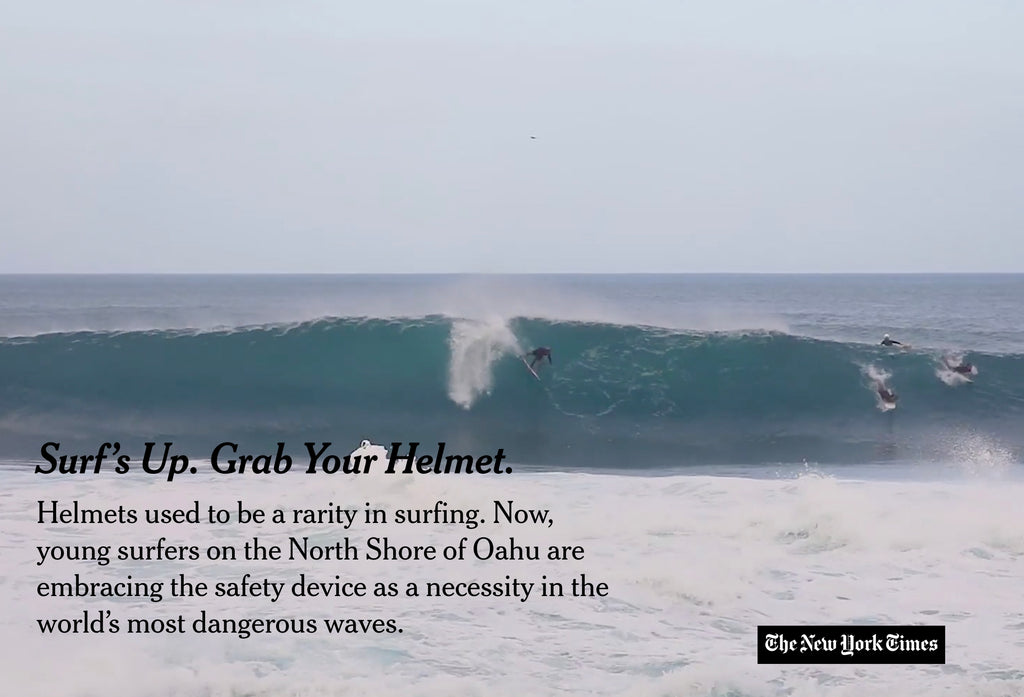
<point x="614" y="396"/>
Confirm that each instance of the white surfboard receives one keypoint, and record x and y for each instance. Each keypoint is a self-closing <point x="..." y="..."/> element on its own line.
<point x="529" y="368"/>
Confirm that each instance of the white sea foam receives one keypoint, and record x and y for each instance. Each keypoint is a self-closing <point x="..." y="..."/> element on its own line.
<point x="979" y="454"/>
<point x="694" y="564"/>
<point x="876" y="374"/>
<point x="475" y="347"/>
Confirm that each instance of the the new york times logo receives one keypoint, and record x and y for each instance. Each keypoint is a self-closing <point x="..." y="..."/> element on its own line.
<point x="852" y="644"/>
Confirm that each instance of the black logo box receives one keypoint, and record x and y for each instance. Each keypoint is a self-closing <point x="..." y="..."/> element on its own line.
<point x="857" y="644"/>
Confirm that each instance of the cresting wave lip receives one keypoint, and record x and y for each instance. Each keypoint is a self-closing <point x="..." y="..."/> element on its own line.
<point x="616" y="396"/>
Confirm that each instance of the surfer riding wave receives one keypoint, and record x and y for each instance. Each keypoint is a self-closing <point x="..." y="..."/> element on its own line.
<point x="539" y="354"/>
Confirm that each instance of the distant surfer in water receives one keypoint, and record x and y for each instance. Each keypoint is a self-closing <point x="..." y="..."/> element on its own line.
<point x="887" y="395"/>
<point x="539" y="354"/>
<point x="960" y="366"/>
<point x="886" y="341"/>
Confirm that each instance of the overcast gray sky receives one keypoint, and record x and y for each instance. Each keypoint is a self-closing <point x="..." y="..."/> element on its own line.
<point x="526" y="136"/>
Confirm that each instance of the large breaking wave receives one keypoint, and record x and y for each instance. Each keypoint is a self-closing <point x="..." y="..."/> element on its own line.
<point x="616" y="396"/>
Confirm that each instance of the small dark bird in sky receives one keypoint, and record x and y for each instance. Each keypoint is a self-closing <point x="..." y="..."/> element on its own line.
<point x="533" y="137"/>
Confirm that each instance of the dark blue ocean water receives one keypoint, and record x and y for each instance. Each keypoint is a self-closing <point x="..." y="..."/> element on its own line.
<point x="648" y="371"/>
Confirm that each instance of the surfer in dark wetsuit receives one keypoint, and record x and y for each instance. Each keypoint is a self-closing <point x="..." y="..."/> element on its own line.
<point x="886" y="341"/>
<point x="885" y="393"/>
<point x="539" y="354"/>
<point x="960" y="367"/>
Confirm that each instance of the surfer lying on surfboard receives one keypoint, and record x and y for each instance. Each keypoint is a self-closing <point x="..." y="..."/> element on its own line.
<point x="539" y="354"/>
<point x="887" y="395"/>
<point x="959" y="366"/>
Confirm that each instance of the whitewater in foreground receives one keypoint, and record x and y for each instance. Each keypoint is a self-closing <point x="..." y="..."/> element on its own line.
<point x="693" y="565"/>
